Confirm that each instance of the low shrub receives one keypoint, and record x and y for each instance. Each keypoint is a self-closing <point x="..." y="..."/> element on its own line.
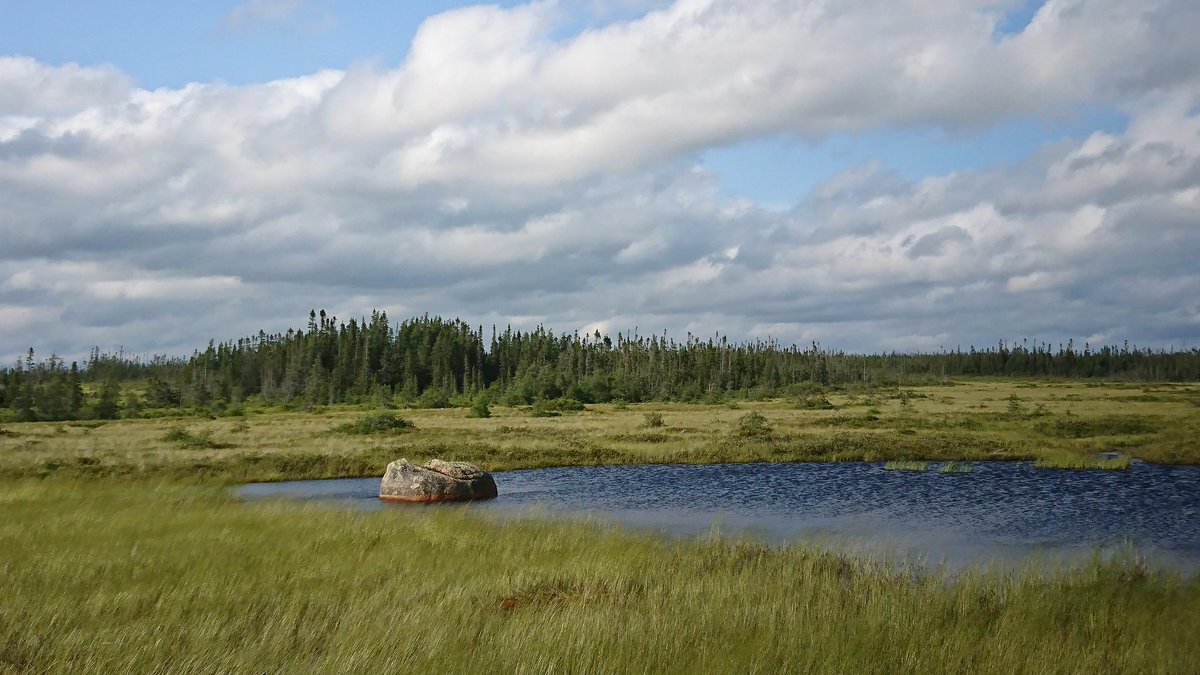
<point x="553" y="407"/>
<point x="753" y="425"/>
<point x="378" y="423"/>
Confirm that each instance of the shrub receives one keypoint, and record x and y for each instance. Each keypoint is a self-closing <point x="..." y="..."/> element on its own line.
<point x="433" y="397"/>
<point x="752" y="425"/>
<point x="653" y="420"/>
<point x="480" y="408"/>
<point x="379" y="423"/>
<point x="553" y="407"/>
<point x="814" y="402"/>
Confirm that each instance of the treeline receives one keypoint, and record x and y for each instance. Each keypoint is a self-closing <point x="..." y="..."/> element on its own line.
<point x="434" y="362"/>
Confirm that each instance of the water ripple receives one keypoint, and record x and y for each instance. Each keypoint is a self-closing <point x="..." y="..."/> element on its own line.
<point x="999" y="511"/>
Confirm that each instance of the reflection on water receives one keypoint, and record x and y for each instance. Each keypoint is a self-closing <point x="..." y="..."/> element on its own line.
<point x="1000" y="512"/>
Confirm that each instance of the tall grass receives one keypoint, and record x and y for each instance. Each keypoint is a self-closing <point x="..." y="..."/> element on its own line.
<point x="955" y="467"/>
<point x="1083" y="463"/>
<point x="906" y="466"/>
<point x="103" y="577"/>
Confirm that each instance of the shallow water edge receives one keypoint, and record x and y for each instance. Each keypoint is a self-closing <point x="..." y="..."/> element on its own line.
<point x="997" y="513"/>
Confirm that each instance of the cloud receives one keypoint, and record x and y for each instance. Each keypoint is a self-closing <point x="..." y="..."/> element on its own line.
<point x="261" y="11"/>
<point x="29" y="89"/>
<point x="278" y="13"/>
<point x="504" y="173"/>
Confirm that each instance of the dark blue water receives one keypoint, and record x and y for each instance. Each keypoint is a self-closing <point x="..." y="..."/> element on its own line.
<point x="1001" y="512"/>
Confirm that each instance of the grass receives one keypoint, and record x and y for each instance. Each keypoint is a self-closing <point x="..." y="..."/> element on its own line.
<point x="955" y="467"/>
<point x="1084" y="463"/>
<point x="906" y="466"/>
<point x="95" y="584"/>
<point x="183" y="438"/>
<point x="932" y="424"/>
<point x="121" y="551"/>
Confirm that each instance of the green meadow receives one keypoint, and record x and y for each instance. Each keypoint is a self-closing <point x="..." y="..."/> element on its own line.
<point x="123" y="550"/>
<point x="1053" y="423"/>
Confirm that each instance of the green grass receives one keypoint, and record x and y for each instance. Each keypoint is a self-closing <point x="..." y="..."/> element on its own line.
<point x="955" y="467"/>
<point x="963" y="422"/>
<point x="107" y="576"/>
<point x="906" y="466"/>
<point x="184" y="438"/>
<point x="1087" y="463"/>
<point x="120" y="551"/>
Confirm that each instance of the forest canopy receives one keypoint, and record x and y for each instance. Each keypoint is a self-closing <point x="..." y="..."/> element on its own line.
<point x="434" y="362"/>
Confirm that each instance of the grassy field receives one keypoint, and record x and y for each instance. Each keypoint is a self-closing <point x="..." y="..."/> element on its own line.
<point x="122" y="550"/>
<point x="117" y="576"/>
<point x="1059" y="423"/>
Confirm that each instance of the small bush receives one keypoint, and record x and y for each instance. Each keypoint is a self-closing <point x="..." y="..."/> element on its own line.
<point x="553" y="407"/>
<point x="653" y="420"/>
<point x="753" y="425"/>
<point x="480" y="408"/>
<point x="814" y="402"/>
<point x="1015" y="408"/>
<point x="433" y="398"/>
<point x="379" y="423"/>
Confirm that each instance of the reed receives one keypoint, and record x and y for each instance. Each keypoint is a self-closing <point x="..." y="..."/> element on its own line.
<point x="906" y="466"/>
<point x="955" y="467"/>
<point x="1084" y="463"/>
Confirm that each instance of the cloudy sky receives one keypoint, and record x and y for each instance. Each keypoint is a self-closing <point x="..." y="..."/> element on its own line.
<point x="870" y="174"/>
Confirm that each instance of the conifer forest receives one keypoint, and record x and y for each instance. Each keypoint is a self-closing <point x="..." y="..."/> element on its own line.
<point x="434" y="362"/>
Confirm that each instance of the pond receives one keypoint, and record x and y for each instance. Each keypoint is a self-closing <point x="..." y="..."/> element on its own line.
<point x="999" y="513"/>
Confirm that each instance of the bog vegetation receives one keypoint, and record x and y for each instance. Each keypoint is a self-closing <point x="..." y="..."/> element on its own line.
<point x="106" y="577"/>
<point x="122" y="551"/>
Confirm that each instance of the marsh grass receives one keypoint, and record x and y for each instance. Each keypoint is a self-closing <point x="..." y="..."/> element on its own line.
<point x="1083" y="463"/>
<point x="146" y="576"/>
<point x="183" y="438"/>
<point x="955" y="467"/>
<point x="276" y="444"/>
<point x="906" y="466"/>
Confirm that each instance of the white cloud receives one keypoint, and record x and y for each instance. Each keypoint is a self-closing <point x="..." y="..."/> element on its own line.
<point x="502" y="172"/>
<point x="29" y="89"/>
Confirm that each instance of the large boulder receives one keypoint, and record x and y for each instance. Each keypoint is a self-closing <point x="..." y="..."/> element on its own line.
<point x="437" y="481"/>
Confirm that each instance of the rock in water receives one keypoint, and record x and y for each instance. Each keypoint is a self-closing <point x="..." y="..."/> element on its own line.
<point x="437" y="481"/>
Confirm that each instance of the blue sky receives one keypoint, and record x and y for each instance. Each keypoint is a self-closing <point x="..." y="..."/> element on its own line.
<point x="873" y="175"/>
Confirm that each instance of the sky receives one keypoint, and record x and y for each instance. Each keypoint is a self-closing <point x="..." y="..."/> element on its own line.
<point x="872" y="175"/>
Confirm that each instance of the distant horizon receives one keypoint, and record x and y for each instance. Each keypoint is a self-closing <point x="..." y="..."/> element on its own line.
<point x="1057" y="347"/>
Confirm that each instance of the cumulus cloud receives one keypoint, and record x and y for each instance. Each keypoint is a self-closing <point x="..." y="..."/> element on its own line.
<point x="504" y="173"/>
